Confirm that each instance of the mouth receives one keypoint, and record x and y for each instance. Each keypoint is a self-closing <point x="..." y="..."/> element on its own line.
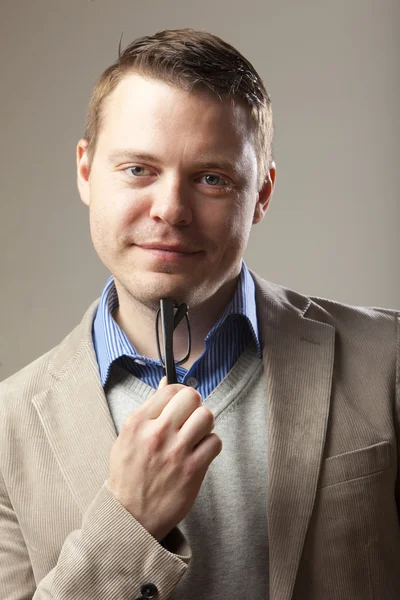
<point x="169" y="252"/>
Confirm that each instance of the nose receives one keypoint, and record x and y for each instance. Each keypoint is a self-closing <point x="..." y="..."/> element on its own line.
<point x="171" y="204"/>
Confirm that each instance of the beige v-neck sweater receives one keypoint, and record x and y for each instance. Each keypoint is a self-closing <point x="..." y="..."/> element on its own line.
<point x="227" y="525"/>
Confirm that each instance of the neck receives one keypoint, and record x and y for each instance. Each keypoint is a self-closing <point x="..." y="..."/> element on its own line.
<point x="138" y="323"/>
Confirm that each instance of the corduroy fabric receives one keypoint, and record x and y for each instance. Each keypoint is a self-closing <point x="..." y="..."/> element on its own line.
<point x="333" y="427"/>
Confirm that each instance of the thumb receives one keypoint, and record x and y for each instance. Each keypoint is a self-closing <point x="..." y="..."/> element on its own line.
<point x="163" y="383"/>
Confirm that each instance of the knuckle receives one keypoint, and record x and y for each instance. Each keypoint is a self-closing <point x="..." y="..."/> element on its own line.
<point x="155" y="439"/>
<point x="193" y="398"/>
<point x="131" y="424"/>
<point x="218" y="443"/>
<point x="175" y="453"/>
<point x="197" y="397"/>
<point x="206" y="415"/>
<point x="169" y="391"/>
<point x="190" y="468"/>
<point x="174" y="388"/>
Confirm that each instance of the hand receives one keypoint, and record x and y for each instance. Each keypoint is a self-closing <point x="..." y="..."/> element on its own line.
<point x="161" y="457"/>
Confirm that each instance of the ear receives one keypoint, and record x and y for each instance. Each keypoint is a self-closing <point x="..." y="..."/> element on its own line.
<point x="264" y="195"/>
<point x="83" y="171"/>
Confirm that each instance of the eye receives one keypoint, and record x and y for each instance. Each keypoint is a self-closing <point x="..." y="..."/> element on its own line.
<point x="213" y="180"/>
<point x="137" y="171"/>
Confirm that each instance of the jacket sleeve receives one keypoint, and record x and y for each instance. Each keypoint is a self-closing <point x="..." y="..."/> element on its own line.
<point x="397" y="412"/>
<point x="110" y="557"/>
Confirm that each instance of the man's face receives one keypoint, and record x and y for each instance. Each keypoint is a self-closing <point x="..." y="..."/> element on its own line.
<point x="172" y="191"/>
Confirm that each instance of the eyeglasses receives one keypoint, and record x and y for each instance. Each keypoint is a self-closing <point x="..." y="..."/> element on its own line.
<point x="171" y="315"/>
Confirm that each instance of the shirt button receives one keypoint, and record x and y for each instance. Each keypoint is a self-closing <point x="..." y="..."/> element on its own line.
<point x="148" y="590"/>
<point x="192" y="382"/>
<point x="139" y="361"/>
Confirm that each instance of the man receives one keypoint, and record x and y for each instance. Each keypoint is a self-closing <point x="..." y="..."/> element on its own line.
<point x="112" y="488"/>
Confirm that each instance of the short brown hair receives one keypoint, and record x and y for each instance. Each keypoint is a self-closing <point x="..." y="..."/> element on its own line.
<point x="190" y="60"/>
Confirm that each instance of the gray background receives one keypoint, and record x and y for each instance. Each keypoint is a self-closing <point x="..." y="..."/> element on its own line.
<point x="333" y="71"/>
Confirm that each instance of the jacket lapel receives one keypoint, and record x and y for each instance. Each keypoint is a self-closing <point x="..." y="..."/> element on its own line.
<point x="75" y="415"/>
<point x="298" y="361"/>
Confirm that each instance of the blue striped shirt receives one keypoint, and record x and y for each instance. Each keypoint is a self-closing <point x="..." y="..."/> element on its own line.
<point x="222" y="347"/>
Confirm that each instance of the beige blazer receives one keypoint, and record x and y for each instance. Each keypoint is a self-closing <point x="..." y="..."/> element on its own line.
<point x="333" y="407"/>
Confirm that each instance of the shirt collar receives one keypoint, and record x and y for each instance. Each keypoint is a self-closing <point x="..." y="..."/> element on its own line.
<point x="110" y="342"/>
<point x="243" y="303"/>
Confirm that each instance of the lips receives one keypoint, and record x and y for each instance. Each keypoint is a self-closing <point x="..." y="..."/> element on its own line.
<point x="177" y="254"/>
<point x="174" y="248"/>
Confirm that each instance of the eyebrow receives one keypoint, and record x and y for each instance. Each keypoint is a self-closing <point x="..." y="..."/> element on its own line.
<point x="131" y="156"/>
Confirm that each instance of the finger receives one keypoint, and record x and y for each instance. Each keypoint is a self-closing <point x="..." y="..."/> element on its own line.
<point x="208" y="449"/>
<point x="199" y="424"/>
<point x="153" y="406"/>
<point x="180" y="407"/>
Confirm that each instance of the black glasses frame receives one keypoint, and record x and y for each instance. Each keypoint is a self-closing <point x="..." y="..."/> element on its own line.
<point x="169" y="322"/>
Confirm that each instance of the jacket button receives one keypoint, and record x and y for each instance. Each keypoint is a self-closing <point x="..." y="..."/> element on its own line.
<point x="148" y="590"/>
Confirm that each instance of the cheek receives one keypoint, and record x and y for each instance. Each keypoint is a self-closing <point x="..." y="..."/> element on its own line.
<point x="106" y="226"/>
<point x="100" y="233"/>
<point x="238" y="227"/>
<point x="114" y="214"/>
<point x="128" y="206"/>
<point x="226" y="220"/>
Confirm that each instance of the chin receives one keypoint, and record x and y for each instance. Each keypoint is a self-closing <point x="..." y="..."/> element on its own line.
<point x="148" y="289"/>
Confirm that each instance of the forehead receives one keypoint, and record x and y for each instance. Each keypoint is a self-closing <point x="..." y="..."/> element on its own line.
<point x="143" y="110"/>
